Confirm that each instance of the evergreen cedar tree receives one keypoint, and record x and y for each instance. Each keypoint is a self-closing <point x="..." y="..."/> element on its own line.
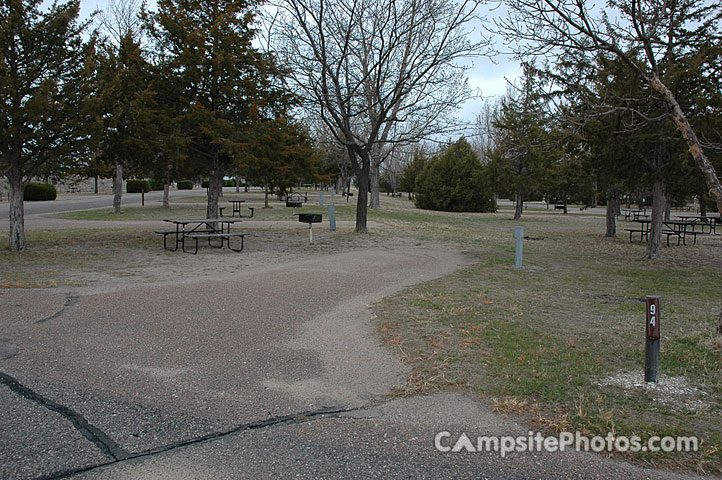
<point x="454" y="181"/>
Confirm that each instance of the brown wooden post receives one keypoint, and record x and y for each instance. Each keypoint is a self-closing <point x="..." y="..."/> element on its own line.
<point x="651" y="360"/>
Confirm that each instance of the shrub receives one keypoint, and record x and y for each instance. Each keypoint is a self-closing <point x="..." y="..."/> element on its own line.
<point x="38" y="192"/>
<point x="156" y="185"/>
<point x="226" y="183"/>
<point x="184" y="185"/>
<point x="454" y="181"/>
<point x="137" y="186"/>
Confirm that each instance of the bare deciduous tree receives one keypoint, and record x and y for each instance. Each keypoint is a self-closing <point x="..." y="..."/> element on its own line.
<point x="120" y="18"/>
<point x="377" y="71"/>
<point x="657" y="31"/>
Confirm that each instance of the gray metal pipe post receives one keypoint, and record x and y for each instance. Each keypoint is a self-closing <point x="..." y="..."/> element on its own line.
<point x="320" y="198"/>
<point x="332" y="217"/>
<point x="519" y="235"/>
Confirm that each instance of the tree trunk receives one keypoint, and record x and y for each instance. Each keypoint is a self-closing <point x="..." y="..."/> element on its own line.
<point x="667" y="208"/>
<point x="340" y="186"/>
<point x="117" y="188"/>
<point x="374" y="176"/>
<point x="362" y="166"/>
<point x="166" y="195"/>
<point x="95" y="188"/>
<point x="238" y="183"/>
<point x="17" y="215"/>
<point x="215" y="185"/>
<point x="612" y="210"/>
<point x="703" y="205"/>
<point x="519" y="206"/>
<point x="265" y="191"/>
<point x="361" y="209"/>
<point x="695" y="148"/>
<point x="654" y="240"/>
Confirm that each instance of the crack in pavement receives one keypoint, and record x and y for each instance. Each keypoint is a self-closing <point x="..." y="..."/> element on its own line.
<point x="271" y="422"/>
<point x="70" y="300"/>
<point x="118" y="454"/>
<point x="99" y="438"/>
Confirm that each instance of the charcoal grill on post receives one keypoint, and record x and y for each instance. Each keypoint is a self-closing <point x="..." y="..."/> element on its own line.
<point x="295" y="200"/>
<point x="310" y="218"/>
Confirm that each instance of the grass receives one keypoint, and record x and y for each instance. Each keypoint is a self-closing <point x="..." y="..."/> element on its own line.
<point x="546" y="336"/>
<point x="536" y="343"/>
<point x="56" y="256"/>
<point x="194" y="207"/>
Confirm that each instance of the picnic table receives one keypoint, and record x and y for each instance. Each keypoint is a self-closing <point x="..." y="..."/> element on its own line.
<point x="236" y="208"/>
<point x="633" y="214"/>
<point x="704" y="221"/>
<point x="204" y="228"/>
<point x="671" y="228"/>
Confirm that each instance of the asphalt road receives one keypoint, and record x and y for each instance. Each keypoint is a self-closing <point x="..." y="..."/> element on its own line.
<point x="86" y="202"/>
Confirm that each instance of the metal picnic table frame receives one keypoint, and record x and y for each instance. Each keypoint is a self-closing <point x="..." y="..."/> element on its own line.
<point x="203" y="228"/>
<point x="673" y="227"/>
<point x="709" y="221"/>
<point x="236" y="206"/>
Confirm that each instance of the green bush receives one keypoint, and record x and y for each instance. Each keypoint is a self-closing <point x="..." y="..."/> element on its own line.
<point x="454" y="181"/>
<point x="226" y="183"/>
<point x="156" y="185"/>
<point x="38" y="192"/>
<point x="137" y="186"/>
<point x="184" y="185"/>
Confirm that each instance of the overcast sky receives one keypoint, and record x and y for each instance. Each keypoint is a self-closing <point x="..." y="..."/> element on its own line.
<point x="486" y="76"/>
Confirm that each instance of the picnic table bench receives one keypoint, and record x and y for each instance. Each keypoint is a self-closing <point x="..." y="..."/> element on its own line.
<point x="670" y="228"/>
<point x="634" y="214"/>
<point x="236" y="208"/>
<point x="710" y="222"/>
<point x="206" y="228"/>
